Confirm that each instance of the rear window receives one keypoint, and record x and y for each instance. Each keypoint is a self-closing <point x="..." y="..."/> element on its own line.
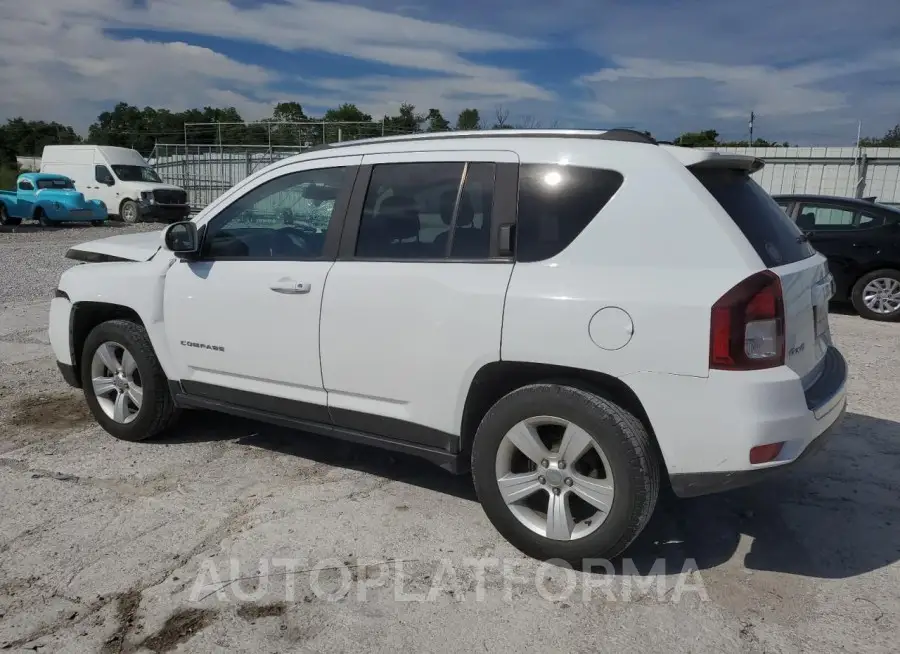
<point x="556" y="203"/>
<point x="774" y="236"/>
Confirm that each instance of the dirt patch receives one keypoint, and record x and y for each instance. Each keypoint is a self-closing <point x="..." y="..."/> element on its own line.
<point x="126" y="610"/>
<point x="61" y="411"/>
<point x="178" y="628"/>
<point x="252" y="612"/>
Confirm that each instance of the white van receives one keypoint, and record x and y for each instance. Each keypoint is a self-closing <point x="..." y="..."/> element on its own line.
<point x="120" y="178"/>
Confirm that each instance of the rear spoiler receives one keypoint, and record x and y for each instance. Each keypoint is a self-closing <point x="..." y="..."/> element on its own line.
<point x="706" y="159"/>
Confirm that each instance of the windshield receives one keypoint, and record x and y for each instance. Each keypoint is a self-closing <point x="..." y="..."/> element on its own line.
<point x="55" y="183"/>
<point x="136" y="174"/>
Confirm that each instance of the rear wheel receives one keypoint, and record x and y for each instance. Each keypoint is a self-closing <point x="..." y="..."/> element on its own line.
<point x="128" y="211"/>
<point x="124" y="385"/>
<point x="876" y="296"/>
<point x="564" y="474"/>
<point x="6" y="219"/>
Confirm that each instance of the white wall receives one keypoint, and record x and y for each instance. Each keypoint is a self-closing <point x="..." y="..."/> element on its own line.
<point x="828" y="171"/>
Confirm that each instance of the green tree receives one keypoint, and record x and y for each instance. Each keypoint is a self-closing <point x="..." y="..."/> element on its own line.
<point x="891" y="139"/>
<point x="468" y="119"/>
<point x="436" y="121"/>
<point x="27" y="138"/>
<point x="289" y="112"/>
<point x="407" y="121"/>
<point x="357" y="124"/>
<point x="705" y="139"/>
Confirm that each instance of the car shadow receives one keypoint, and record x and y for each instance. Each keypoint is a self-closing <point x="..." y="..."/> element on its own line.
<point x="833" y="515"/>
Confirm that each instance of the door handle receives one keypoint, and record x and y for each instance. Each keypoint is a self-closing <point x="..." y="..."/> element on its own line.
<point x="290" y="287"/>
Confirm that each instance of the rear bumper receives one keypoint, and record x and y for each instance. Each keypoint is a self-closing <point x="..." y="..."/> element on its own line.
<point x="706" y="427"/>
<point x="165" y="212"/>
<point x="706" y="483"/>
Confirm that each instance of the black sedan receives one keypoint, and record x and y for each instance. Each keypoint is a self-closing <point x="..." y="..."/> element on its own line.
<point x="861" y="240"/>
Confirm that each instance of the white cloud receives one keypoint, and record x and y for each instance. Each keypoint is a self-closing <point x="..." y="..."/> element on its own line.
<point x="70" y="73"/>
<point x="798" y="102"/>
<point x="64" y="65"/>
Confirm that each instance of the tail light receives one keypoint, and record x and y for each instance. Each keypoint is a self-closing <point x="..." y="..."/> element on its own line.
<point x="747" y="325"/>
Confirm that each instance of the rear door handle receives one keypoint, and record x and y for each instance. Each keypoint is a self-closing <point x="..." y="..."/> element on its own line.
<point x="290" y="287"/>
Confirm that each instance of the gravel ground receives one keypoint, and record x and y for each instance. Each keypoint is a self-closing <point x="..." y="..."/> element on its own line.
<point x="114" y="547"/>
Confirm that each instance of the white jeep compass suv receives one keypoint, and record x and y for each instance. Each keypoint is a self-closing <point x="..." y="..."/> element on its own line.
<point x="575" y="316"/>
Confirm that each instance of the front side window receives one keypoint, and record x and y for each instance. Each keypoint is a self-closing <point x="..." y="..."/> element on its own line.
<point x="25" y="185"/>
<point x="556" y="203"/>
<point x="136" y="174"/>
<point x="432" y="211"/>
<point x="822" y="217"/>
<point x="284" y="218"/>
<point x="103" y="176"/>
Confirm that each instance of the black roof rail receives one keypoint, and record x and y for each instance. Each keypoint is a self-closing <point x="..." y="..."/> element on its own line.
<point x="630" y="135"/>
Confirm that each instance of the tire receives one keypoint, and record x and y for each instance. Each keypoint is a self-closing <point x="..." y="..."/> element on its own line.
<point x="98" y="223"/>
<point x="886" y="281"/>
<point x="128" y="212"/>
<point x="628" y="452"/>
<point x="42" y="218"/>
<point x="157" y="411"/>
<point x="5" y="219"/>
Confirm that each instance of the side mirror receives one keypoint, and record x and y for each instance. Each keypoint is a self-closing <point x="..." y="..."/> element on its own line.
<point x="181" y="238"/>
<point x="109" y="181"/>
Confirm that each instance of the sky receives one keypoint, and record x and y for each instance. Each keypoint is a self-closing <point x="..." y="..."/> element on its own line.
<point x="810" y="70"/>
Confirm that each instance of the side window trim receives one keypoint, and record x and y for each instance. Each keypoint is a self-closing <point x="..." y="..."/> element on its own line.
<point x="335" y="224"/>
<point x="504" y="210"/>
<point x="451" y="228"/>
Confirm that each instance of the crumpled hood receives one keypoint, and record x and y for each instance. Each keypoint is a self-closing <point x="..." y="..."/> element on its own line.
<point x="126" y="247"/>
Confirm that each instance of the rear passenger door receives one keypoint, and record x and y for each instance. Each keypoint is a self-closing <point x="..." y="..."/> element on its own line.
<point x="831" y="229"/>
<point x="413" y="307"/>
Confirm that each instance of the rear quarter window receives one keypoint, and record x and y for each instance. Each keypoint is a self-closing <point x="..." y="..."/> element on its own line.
<point x="774" y="236"/>
<point x="556" y="203"/>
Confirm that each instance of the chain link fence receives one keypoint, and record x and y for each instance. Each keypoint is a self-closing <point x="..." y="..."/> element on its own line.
<point x="216" y="156"/>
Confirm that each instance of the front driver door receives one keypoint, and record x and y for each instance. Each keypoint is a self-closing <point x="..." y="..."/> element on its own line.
<point x="244" y="318"/>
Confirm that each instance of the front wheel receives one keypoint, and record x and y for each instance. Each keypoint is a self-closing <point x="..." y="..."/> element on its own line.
<point x="564" y="474"/>
<point x="43" y="219"/>
<point x="124" y="385"/>
<point x="876" y="296"/>
<point x="129" y="212"/>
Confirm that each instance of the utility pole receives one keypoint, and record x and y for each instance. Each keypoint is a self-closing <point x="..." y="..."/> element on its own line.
<point x="752" y="116"/>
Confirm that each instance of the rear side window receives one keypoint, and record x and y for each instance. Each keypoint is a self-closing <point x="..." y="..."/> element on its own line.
<point x="774" y="236"/>
<point x="556" y="203"/>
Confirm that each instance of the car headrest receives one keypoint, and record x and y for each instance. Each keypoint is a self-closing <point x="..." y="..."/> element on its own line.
<point x="806" y="220"/>
<point x="399" y="217"/>
<point x="466" y="213"/>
